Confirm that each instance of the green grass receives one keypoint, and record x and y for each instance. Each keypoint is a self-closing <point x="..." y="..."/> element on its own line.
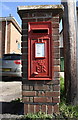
<point x="62" y="90"/>
<point x="66" y="110"/>
<point x="38" y="115"/>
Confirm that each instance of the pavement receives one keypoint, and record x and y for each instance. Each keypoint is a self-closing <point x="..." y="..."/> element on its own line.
<point x="10" y="91"/>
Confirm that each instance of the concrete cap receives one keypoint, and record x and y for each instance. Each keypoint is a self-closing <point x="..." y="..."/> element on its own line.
<point x="35" y="7"/>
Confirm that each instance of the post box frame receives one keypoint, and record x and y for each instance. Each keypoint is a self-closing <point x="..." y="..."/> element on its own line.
<point x="50" y="51"/>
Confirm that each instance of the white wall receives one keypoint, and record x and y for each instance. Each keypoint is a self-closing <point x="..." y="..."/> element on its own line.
<point x="15" y="40"/>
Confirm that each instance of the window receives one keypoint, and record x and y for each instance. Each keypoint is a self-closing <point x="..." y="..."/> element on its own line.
<point x="19" y="46"/>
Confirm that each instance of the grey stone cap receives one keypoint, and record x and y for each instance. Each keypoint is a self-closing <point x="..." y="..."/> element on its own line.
<point x="35" y="7"/>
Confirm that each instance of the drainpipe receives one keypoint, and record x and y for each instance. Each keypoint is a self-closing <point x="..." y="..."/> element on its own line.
<point x="6" y="37"/>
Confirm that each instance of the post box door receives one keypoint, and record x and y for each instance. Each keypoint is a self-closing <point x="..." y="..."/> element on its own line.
<point x="40" y="55"/>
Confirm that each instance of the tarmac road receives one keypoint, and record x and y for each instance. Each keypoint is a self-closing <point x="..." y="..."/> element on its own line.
<point x="10" y="91"/>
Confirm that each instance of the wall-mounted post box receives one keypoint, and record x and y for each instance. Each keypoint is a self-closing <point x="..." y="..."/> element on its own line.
<point x="39" y="51"/>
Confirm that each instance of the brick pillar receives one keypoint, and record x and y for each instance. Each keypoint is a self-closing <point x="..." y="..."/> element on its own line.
<point x="41" y="95"/>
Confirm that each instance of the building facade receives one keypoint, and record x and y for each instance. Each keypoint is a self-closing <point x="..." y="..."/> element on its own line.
<point x="10" y="36"/>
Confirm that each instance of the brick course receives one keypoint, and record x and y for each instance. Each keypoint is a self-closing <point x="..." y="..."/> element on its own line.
<point x="29" y="93"/>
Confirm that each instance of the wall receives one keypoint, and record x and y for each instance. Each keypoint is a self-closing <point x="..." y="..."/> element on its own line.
<point x="13" y="34"/>
<point x="15" y="39"/>
<point x="41" y="95"/>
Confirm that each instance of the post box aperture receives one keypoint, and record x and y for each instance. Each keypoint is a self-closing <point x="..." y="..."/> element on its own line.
<point x="40" y="51"/>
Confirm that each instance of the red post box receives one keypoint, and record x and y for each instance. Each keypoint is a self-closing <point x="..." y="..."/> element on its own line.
<point x="40" y="51"/>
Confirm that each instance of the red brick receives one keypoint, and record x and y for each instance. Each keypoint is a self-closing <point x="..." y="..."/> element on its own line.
<point x="30" y="15"/>
<point x="38" y="87"/>
<point x="41" y="87"/>
<point x="56" y="108"/>
<point x="25" y="87"/>
<point x="41" y="93"/>
<point x="56" y="73"/>
<point x="24" y="80"/>
<point x="56" y="88"/>
<point x="24" y="50"/>
<point x="25" y="15"/>
<point x="48" y="82"/>
<point x="57" y="69"/>
<point x="24" y="31"/>
<point x="31" y="99"/>
<point x="49" y="109"/>
<point x="24" y="69"/>
<point x="25" y="26"/>
<point x="39" y="82"/>
<point x="37" y="108"/>
<point x="31" y="108"/>
<point x="56" y="61"/>
<point x="40" y="19"/>
<point x="56" y="16"/>
<point x="56" y="55"/>
<point x="55" y="19"/>
<point x="54" y="25"/>
<point x="39" y="14"/>
<point x="29" y="93"/>
<point x="24" y="44"/>
<point x="56" y="43"/>
<point x="24" y="38"/>
<point x="49" y="99"/>
<point x="28" y="20"/>
<point x="24" y="74"/>
<point x="54" y="94"/>
<point x="55" y="38"/>
<point x="44" y="107"/>
<point x="56" y="50"/>
<point x="24" y="57"/>
<point x="43" y="99"/>
<point x="55" y="31"/>
<point x="31" y="87"/>
<point x="46" y="87"/>
<point x="25" y="108"/>
<point x="39" y="99"/>
<point x="47" y="19"/>
<point x="56" y="100"/>
<point x="25" y="65"/>
<point x="56" y="82"/>
<point x="25" y="99"/>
